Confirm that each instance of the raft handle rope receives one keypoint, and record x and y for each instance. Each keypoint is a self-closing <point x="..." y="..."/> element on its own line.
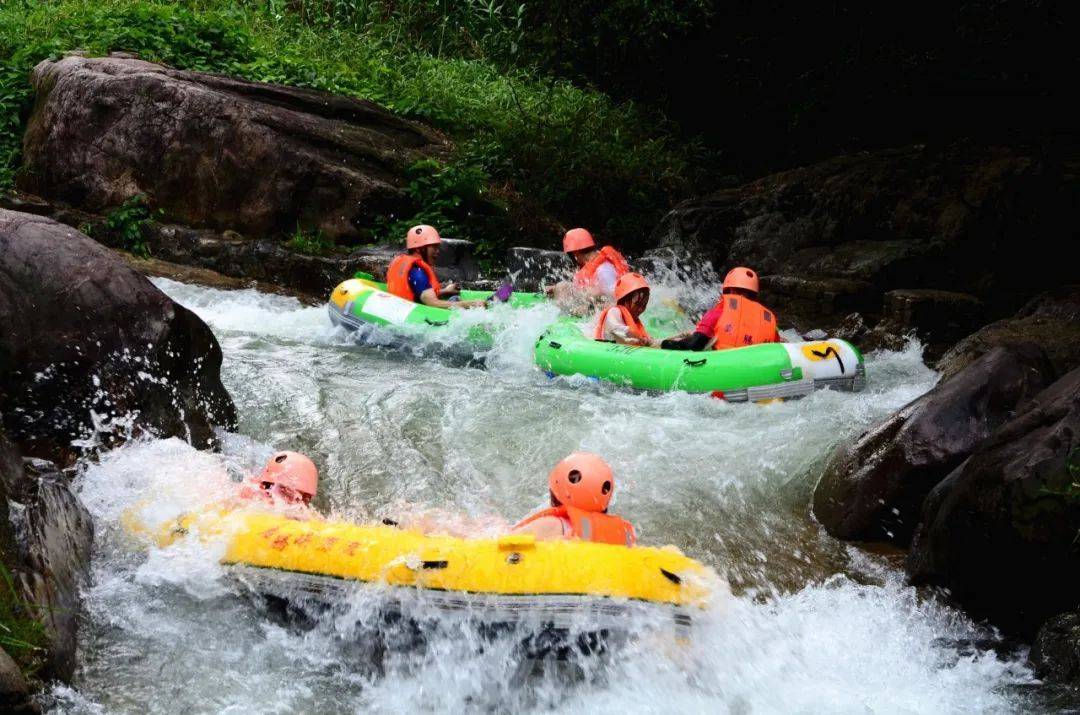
<point x="555" y="344"/>
<point x="674" y="578"/>
<point x="695" y="363"/>
<point x="436" y="323"/>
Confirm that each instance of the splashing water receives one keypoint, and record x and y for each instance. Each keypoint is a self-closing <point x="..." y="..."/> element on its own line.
<point x="814" y="626"/>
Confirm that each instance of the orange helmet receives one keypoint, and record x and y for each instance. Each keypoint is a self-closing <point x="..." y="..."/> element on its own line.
<point x="290" y="473"/>
<point x="741" y="278"/>
<point x="628" y="283"/>
<point x="420" y="236"/>
<point x="577" y="239"/>
<point x="582" y="480"/>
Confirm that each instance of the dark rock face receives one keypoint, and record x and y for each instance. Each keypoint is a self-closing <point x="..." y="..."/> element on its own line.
<point x="1000" y="532"/>
<point x="939" y="317"/>
<point x="990" y="222"/>
<point x="14" y="691"/>
<point x="1056" y="651"/>
<point x="214" y="152"/>
<point x="269" y="261"/>
<point x="91" y="350"/>
<point x="530" y="267"/>
<point x="874" y="488"/>
<point x="50" y="538"/>
<point x="1052" y="320"/>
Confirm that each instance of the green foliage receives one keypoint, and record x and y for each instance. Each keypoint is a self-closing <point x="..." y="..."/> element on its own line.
<point x="312" y="244"/>
<point x="458" y="64"/>
<point x="125" y="226"/>
<point x="22" y="634"/>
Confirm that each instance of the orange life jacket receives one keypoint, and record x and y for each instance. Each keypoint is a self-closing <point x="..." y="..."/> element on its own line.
<point x="744" y="322"/>
<point x="590" y="525"/>
<point x="637" y="328"/>
<point x="397" y="276"/>
<point x="586" y="275"/>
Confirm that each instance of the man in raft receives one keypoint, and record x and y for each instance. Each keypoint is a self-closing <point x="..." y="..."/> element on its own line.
<point x="598" y="268"/>
<point x="289" y="482"/>
<point x="412" y="277"/>
<point x="581" y="487"/>
<point x="621" y="323"/>
<point x="737" y="319"/>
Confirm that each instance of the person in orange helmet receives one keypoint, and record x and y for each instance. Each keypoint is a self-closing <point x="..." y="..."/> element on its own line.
<point x="621" y="323"/>
<point x="737" y="319"/>
<point x="289" y="480"/>
<point x="580" y="488"/>
<point x="412" y="277"/>
<point x="598" y="268"/>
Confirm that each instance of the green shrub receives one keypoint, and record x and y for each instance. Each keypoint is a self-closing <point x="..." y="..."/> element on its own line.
<point x="125" y="226"/>
<point x="312" y="244"/>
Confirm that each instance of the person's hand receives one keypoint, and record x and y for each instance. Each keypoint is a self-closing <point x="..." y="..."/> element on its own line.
<point x="473" y="304"/>
<point x="451" y="287"/>
<point x="548" y="290"/>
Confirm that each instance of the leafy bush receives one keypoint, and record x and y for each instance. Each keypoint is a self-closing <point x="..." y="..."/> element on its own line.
<point x="312" y="244"/>
<point x="125" y="226"/>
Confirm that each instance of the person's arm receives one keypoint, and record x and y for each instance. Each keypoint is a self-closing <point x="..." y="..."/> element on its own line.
<point x="449" y="290"/>
<point x="695" y="341"/>
<point x="546" y="528"/>
<point x="428" y="297"/>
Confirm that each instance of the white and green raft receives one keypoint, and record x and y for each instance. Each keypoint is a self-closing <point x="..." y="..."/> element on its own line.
<point x="754" y="373"/>
<point x="362" y="301"/>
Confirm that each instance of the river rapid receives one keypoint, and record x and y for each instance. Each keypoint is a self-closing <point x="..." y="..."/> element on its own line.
<point x="814" y="625"/>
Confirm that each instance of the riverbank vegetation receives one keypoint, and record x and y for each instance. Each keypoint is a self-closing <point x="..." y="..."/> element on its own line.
<point x="524" y="137"/>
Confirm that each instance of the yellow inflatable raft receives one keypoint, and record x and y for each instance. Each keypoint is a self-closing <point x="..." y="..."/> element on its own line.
<point x="511" y="571"/>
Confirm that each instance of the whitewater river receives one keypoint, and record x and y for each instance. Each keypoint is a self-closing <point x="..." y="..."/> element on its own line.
<point x="814" y="625"/>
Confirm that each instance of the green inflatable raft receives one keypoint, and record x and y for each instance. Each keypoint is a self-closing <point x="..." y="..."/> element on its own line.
<point x="361" y="301"/>
<point x="754" y="373"/>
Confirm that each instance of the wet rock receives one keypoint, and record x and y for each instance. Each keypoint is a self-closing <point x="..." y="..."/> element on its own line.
<point x="852" y="328"/>
<point x="91" y="352"/>
<point x="938" y="318"/>
<point x="47" y="539"/>
<point x="215" y="152"/>
<point x="991" y="222"/>
<point x="14" y="691"/>
<point x="1055" y="655"/>
<point x="270" y="262"/>
<point x="1000" y="531"/>
<point x="874" y="487"/>
<point x="531" y="267"/>
<point x="1052" y="320"/>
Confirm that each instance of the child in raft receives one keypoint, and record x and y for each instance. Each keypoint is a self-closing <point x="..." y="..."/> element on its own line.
<point x="621" y="323"/>
<point x="581" y="487"/>
<point x="287" y="484"/>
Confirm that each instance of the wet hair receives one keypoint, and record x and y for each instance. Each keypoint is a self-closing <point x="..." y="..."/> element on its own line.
<point x="554" y="499"/>
<point x="751" y="294"/>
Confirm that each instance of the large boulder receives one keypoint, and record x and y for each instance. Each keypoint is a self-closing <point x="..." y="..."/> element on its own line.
<point x="14" y="690"/>
<point x="1052" y="320"/>
<point x="873" y="488"/>
<point x="1000" y="532"/>
<point x="1055" y="654"/>
<point x="91" y="352"/>
<point x="992" y="222"/>
<point x="215" y="152"/>
<point x="47" y="549"/>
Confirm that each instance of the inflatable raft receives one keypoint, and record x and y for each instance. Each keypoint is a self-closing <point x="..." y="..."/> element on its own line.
<point x="510" y="578"/>
<point x="361" y="301"/>
<point x="754" y="373"/>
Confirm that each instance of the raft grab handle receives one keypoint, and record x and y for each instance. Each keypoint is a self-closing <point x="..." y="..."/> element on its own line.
<point x="436" y="323"/>
<point x="674" y="578"/>
<point x="695" y="363"/>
